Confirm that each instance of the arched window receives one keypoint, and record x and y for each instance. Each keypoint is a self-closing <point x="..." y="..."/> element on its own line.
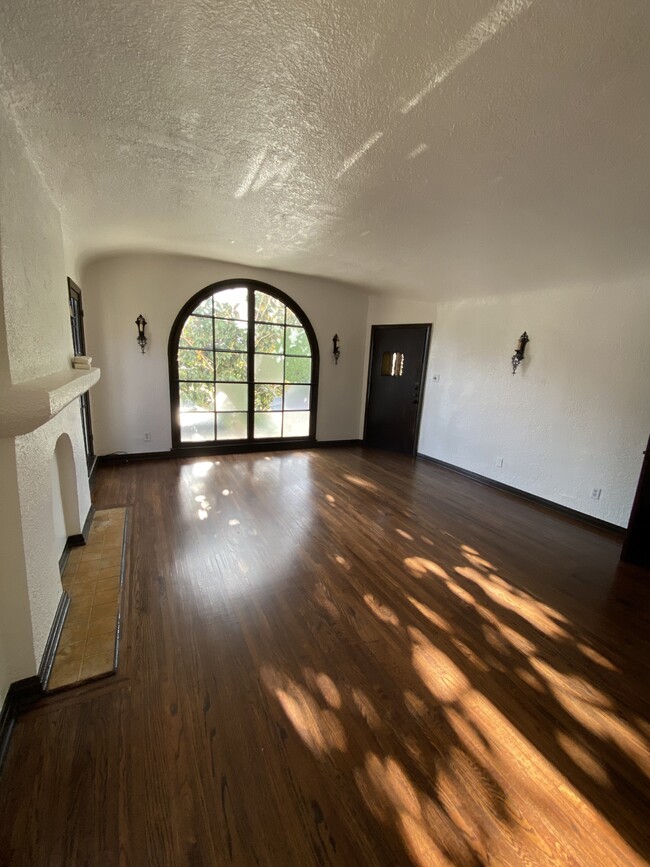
<point x="243" y="367"/>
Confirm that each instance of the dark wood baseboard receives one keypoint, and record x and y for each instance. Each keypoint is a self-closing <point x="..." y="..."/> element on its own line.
<point x="549" y="504"/>
<point x="47" y="660"/>
<point x="63" y="559"/>
<point x="337" y="444"/>
<point x="20" y="695"/>
<point x="77" y="540"/>
<point x="81" y="538"/>
<point x="119" y="458"/>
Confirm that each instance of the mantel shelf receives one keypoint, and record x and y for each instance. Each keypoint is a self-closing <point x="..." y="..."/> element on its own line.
<point x="26" y="406"/>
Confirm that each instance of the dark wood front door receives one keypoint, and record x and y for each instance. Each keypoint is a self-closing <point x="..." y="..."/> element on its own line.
<point x="79" y="345"/>
<point x="397" y="366"/>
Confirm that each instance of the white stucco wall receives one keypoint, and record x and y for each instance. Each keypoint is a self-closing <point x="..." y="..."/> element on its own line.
<point x="577" y="414"/>
<point x="17" y="659"/>
<point x="133" y="395"/>
<point x="31" y="249"/>
<point x="35" y="341"/>
<point x="58" y="516"/>
<point x="34" y="453"/>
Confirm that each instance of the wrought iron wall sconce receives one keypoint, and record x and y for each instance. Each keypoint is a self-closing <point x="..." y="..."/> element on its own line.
<point x="142" y="339"/>
<point x="518" y="357"/>
<point x="336" y="348"/>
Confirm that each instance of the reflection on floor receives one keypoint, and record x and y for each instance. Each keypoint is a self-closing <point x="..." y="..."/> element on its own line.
<point x="92" y="578"/>
<point x="346" y="657"/>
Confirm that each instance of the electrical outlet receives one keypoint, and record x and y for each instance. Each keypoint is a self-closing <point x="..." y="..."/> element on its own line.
<point x="499" y="462"/>
<point x="595" y="493"/>
<point x="147" y="436"/>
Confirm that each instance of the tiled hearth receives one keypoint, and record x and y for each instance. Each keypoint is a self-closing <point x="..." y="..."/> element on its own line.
<point x="93" y="580"/>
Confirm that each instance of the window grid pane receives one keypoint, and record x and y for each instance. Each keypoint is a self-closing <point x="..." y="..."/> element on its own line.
<point x="216" y="371"/>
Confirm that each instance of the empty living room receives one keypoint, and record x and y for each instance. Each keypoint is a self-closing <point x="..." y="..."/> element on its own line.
<point x="324" y="420"/>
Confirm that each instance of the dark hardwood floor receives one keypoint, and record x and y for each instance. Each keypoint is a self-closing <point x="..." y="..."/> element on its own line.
<point x="346" y="657"/>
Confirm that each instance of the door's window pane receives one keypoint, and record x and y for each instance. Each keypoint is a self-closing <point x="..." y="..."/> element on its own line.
<point x="297" y="343"/>
<point x="392" y="364"/>
<point x="297" y="370"/>
<point x="231" y="396"/>
<point x="269" y="338"/>
<point x="296" y="397"/>
<point x="197" y="333"/>
<point x="296" y="424"/>
<point x="231" y="366"/>
<point x="195" y="364"/>
<point x="269" y="368"/>
<point x="232" y="425"/>
<point x="268" y="398"/>
<point x="268" y="308"/>
<point x="229" y="334"/>
<point x="197" y="427"/>
<point x="231" y="303"/>
<point x="268" y="424"/>
<point x="196" y="396"/>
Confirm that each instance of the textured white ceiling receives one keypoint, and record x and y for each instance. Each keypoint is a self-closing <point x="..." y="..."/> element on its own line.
<point x="434" y="147"/>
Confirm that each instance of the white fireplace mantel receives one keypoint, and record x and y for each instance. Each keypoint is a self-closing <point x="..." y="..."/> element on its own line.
<point x="26" y="406"/>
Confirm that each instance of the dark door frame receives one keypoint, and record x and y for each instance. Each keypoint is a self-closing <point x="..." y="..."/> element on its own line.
<point x="250" y="442"/>
<point x="636" y="548"/>
<point x="79" y="337"/>
<point x="425" y="360"/>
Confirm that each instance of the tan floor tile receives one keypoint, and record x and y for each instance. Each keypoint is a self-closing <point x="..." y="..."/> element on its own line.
<point x="88" y="570"/>
<point x="103" y="597"/>
<point x="104" y="610"/>
<point x="104" y="625"/>
<point x="64" y="672"/>
<point x="70" y="651"/>
<point x="73" y="632"/>
<point x="109" y="572"/>
<point x="99" y="644"/>
<point x="93" y="666"/>
<point x="111" y="551"/>
<point x="92" y="578"/>
<point x="88" y="580"/>
<point x="107" y="583"/>
<point x="78" y="613"/>
<point x="79" y="606"/>
<point x="83" y="591"/>
<point x="89" y="556"/>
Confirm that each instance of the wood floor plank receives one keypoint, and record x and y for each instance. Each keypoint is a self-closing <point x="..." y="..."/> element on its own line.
<point x="346" y="657"/>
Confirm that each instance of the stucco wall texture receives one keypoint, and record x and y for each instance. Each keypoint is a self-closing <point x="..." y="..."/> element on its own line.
<point x="576" y="415"/>
<point x="133" y="395"/>
<point x="37" y="342"/>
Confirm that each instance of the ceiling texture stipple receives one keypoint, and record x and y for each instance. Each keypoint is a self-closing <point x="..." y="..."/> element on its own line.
<point x="432" y="147"/>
